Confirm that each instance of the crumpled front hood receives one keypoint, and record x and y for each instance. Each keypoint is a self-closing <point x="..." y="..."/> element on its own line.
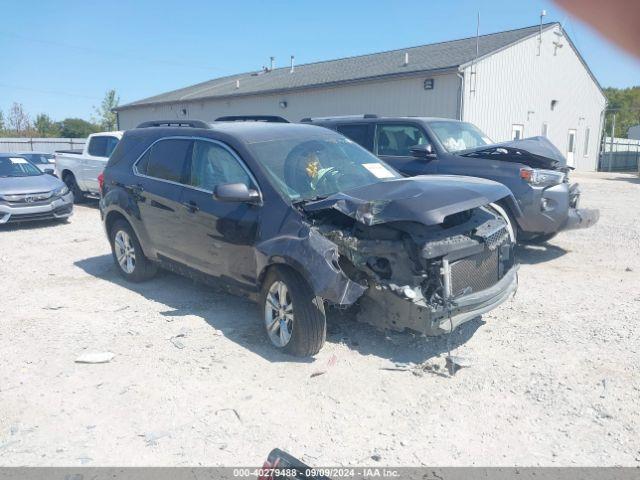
<point x="33" y="184"/>
<point x="537" y="152"/>
<point x="423" y="199"/>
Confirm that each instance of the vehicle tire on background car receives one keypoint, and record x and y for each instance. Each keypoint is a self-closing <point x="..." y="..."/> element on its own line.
<point x="294" y="316"/>
<point x="70" y="181"/>
<point x="132" y="264"/>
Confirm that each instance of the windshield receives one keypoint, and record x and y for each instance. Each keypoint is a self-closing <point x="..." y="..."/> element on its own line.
<point x="311" y="169"/>
<point x="17" y="167"/>
<point x="39" y="158"/>
<point x="457" y="136"/>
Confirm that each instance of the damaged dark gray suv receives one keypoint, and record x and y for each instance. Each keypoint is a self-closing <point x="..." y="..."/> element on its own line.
<point x="297" y="216"/>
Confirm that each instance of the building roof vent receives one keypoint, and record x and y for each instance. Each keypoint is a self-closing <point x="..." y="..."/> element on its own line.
<point x="406" y="59"/>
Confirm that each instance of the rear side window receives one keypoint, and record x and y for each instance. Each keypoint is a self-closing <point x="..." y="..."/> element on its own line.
<point x="166" y="160"/>
<point x="359" y="133"/>
<point x="102" y="146"/>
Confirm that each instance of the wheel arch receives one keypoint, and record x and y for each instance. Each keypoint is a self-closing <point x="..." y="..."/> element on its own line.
<point x="115" y="214"/>
<point x="283" y="262"/>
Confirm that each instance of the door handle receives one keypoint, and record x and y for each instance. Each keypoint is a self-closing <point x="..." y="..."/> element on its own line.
<point x="191" y="206"/>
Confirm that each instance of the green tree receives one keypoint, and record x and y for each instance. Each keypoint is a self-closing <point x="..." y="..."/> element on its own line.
<point x="625" y="104"/>
<point x="107" y="118"/>
<point x="45" y="126"/>
<point x="77" y="128"/>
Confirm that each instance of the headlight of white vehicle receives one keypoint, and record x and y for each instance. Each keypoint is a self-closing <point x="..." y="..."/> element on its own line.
<point x="536" y="176"/>
<point x="59" y="192"/>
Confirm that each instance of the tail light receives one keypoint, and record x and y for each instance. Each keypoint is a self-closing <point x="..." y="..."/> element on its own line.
<point x="101" y="183"/>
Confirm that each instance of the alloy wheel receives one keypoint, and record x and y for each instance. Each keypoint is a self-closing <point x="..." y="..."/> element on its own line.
<point x="278" y="314"/>
<point x="125" y="252"/>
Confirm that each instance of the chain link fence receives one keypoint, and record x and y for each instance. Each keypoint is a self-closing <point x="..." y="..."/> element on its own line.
<point x="619" y="155"/>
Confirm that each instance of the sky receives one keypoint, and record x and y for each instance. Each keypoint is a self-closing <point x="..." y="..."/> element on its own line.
<point x="60" y="57"/>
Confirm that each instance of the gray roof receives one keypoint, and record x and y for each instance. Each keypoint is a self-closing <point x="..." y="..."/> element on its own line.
<point x="433" y="57"/>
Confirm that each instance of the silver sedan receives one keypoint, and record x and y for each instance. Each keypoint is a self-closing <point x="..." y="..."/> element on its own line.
<point x="26" y="193"/>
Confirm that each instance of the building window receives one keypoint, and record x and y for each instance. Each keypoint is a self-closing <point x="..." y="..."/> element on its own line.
<point x="517" y="131"/>
<point x="545" y="129"/>
<point x="586" y="142"/>
<point x="572" y="141"/>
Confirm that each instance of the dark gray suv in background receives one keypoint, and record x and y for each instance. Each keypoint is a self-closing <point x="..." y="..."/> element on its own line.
<point x="533" y="169"/>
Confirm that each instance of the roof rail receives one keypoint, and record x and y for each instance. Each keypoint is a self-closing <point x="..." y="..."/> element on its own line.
<point x="175" y="123"/>
<point x="252" y="118"/>
<point x="338" y="117"/>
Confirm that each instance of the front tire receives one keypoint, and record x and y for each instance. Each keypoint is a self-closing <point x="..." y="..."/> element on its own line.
<point x="127" y="254"/>
<point x="293" y="315"/>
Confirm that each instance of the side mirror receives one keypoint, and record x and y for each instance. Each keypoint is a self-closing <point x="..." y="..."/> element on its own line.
<point x="50" y="171"/>
<point x="425" y="151"/>
<point x="235" y="192"/>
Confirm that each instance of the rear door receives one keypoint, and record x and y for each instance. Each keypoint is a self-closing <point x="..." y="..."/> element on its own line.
<point x="159" y="174"/>
<point x="393" y="142"/>
<point x="218" y="237"/>
<point x="98" y="151"/>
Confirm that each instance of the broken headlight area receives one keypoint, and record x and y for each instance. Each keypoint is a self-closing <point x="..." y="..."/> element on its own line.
<point x="424" y="278"/>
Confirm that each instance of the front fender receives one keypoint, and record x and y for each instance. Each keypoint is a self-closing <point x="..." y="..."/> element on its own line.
<point x="316" y="259"/>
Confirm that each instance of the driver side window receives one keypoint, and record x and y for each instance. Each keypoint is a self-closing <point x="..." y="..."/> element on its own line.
<point x="212" y="165"/>
<point x="396" y="140"/>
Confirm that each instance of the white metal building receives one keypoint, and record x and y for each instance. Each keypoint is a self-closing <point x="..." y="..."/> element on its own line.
<point x="514" y="84"/>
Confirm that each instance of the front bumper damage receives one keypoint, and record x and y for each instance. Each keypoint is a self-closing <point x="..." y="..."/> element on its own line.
<point x="579" y="217"/>
<point x="555" y="208"/>
<point x="386" y="309"/>
<point x="427" y="279"/>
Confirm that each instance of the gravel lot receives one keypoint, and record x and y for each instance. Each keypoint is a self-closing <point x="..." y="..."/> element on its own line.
<point x="554" y="376"/>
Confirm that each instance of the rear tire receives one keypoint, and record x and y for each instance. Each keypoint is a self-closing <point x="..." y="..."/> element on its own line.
<point x="70" y="181"/>
<point x="127" y="253"/>
<point x="294" y="316"/>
